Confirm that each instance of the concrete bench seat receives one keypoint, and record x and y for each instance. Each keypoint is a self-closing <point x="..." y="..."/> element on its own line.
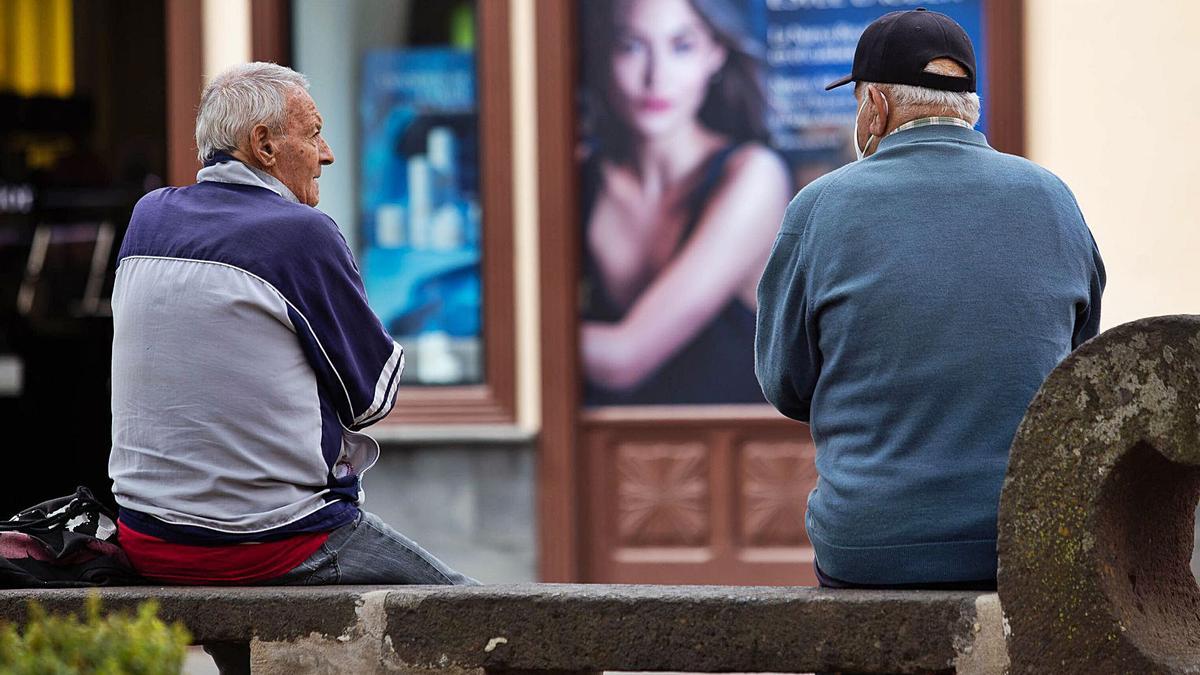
<point x="573" y="628"/>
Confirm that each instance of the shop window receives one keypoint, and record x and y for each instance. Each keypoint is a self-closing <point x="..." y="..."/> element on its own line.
<point x="415" y="100"/>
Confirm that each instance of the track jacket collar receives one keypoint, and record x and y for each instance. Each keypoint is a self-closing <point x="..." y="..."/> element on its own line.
<point x="225" y="168"/>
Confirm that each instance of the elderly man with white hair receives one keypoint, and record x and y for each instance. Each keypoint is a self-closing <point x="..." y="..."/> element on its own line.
<point x="913" y="304"/>
<point x="246" y="361"/>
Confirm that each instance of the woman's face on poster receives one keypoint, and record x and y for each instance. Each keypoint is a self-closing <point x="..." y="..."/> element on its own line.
<point x="663" y="60"/>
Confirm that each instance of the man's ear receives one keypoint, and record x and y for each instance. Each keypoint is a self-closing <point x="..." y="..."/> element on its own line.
<point x="262" y="148"/>
<point x="882" y="111"/>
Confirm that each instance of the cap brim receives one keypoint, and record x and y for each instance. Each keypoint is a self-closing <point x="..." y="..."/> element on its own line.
<point x="839" y="82"/>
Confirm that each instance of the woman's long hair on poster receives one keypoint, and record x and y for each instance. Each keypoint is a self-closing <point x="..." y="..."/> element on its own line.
<point x="735" y="105"/>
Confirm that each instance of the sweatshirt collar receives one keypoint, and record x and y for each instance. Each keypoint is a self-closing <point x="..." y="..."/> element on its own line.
<point x="933" y="132"/>
<point x="225" y="168"/>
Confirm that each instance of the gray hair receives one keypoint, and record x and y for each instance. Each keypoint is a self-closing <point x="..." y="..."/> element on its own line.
<point x="925" y="101"/>
<point x="240" y="98"/>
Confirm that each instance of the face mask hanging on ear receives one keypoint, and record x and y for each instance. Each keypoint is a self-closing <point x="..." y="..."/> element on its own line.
<point x="861" y="152"/>
<point x="858" y="152"/>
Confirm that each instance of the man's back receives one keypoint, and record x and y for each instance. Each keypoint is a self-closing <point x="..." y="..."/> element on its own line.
<point x="234" y="366"/>
<point x="931" y="287"/>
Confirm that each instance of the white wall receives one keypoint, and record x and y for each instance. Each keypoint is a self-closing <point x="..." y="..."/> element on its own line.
<point x="1112" y="89"/>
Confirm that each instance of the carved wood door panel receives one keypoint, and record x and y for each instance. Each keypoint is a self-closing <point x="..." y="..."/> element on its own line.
<point x="694" y="500"/>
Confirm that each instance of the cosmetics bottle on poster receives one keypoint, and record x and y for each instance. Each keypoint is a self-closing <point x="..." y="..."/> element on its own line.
<point x="420" y="202"/>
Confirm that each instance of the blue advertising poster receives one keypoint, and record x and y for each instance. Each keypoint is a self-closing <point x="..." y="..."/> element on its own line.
<point x="420" y="213"/>
<point x="809" y="43"/>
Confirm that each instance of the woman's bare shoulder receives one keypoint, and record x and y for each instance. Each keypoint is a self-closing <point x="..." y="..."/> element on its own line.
<point x="617" y="182"/>
<point x="754" y="162"/>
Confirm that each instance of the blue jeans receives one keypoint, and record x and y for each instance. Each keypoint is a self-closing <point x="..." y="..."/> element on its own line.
<point x="368" y="551"/>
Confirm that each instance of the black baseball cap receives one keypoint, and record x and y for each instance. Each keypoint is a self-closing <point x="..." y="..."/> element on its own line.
<point x="897" y="46"/>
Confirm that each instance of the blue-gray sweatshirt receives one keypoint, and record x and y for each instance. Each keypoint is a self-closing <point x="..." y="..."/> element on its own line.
<point x="913" y="303"/>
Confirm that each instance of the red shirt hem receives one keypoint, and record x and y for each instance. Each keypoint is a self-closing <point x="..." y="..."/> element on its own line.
<point x="187" y="564"/>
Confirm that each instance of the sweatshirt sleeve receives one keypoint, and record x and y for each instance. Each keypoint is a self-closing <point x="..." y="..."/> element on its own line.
<point x="355" y="359"/>
<point x="786" y="358"/>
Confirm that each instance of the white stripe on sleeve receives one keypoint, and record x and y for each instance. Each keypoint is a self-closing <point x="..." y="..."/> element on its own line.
<point x="390" y="400"/>
<point x="394" y="364"/>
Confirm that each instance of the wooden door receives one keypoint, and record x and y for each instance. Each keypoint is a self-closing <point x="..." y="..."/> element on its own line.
<point x="695" y="497"/>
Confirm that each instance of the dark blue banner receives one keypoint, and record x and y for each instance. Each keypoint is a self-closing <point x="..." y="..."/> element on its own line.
<point x="809" y="43"/>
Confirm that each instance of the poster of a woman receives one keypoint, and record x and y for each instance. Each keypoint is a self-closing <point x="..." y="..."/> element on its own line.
<point x="681" y="200"/>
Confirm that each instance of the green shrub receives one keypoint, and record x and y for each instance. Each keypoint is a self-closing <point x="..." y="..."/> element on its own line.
<point x="105" y="645"/>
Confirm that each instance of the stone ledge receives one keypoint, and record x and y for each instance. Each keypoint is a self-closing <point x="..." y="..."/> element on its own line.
<point x="544" y="627"/>
<point x="683" y="628"/>
<point x="213" y="614"/>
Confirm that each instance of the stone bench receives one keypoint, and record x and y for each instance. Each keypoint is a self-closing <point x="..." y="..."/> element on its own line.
<point x="574" y="628"/>
<point x="1096" y="535"/>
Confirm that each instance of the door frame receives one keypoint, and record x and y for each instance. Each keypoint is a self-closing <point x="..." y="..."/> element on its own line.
<point x="559" y="505"/>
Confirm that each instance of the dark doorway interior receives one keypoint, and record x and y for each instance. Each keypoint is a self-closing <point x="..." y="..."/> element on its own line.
<point x="72" y="165"/>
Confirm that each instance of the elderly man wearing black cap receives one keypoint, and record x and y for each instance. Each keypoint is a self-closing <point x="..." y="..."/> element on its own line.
<point x="913" y="304"/>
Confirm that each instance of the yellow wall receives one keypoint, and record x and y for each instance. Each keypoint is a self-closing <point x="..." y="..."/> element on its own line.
<point x="1112" y="95"/>
<point x="525" y="213"/>
<point x="226" y="35"/>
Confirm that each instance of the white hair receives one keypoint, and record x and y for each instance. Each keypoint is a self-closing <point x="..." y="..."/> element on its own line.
<point x="922" y="100"/>
<point x="240" y="98"/>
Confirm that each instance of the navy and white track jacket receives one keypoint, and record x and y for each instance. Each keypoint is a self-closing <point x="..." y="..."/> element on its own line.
<point x="245" y="359"/>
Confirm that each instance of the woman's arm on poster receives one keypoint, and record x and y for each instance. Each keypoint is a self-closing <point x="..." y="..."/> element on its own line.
<point x="726" y="252"/>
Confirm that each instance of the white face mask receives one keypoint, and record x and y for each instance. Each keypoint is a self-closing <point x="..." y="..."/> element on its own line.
<point x="862" y="152"/>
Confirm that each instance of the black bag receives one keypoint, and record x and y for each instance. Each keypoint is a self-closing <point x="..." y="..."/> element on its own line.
<point x="61" y="543"/>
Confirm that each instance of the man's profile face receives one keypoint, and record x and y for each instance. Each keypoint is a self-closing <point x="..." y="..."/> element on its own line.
<point x="302" y="150"/>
